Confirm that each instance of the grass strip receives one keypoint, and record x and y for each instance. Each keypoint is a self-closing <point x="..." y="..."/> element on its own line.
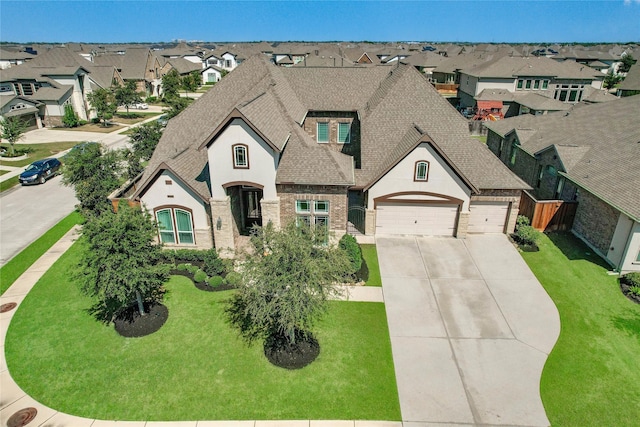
<point x="22" y="261"/>
<point x="370" y="256"/>
<point x="591" y="377"/>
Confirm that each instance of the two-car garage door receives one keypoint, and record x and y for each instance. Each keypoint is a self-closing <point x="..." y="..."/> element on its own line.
<point x="416" y="219"/>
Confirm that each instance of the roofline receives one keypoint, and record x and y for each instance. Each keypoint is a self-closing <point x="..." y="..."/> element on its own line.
<point x="425" y="139"/>
<point x="156" y="174"/>
<point x="604" y="199"/>
<point x="235" y="114"/>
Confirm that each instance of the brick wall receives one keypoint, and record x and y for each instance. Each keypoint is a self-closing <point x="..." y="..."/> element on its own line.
<point x="511" y="196"/>
<point x="334" y="118"/>
<point x="595" y="221"/>
<point x="337" y="197"/>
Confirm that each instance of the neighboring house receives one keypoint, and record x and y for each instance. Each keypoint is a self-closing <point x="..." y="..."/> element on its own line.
<point x="563" y="81"/>
<point x="10" y="59"/>
<point x="591" y="155"/>
<point x="28" y="110"/>
<point x="631" y="84"/>
<point x="375" y="146"/>
<point x="212" y="74"/>
<point x="138" y="64"/>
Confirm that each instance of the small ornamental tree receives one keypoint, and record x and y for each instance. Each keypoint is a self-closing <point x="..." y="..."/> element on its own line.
<point x="70" y="119"/>
<point x="13" y="129"/>
<point x="120" y="266"/>
<point x="103" y="101"/>
<point x="94" y="175"/>
<point x="191" y="82"/>
<point x="626" y="63"/>
<point x="287" y="282"/>
<point x="171" y="84"/>
<point x="611" y="79"/>
<point x="126" y="95"/>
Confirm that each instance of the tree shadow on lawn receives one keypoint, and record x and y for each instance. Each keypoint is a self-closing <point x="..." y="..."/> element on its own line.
<point x="575" y="249"/>
<point x="629" y="324"/>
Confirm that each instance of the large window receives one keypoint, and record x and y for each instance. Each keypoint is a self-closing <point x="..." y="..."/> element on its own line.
<point x="240" y="156"/>
<point x="323" y="132"/>
<point x="312" y="212"/>
<point x="344" y="133"/>
<point x="175" y="225"/>
<point x="421" y="171"/>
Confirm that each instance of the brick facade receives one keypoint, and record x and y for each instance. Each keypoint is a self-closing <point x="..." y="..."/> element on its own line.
<point x="511" y="196"/>
<point x="336" y="196"/>
<point x="334" y="118"/>
<point x="595" y="221"/>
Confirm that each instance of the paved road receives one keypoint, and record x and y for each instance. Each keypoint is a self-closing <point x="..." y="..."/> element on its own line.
<point x="27" y="212"/>
<point x="471" y="329"/>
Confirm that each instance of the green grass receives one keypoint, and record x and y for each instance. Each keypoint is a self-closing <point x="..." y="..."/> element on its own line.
<point x="370" y="256"/>
<point x="195" y="367"/>
<point x="2" y="172"/>
<point x="21" y="262"/>
<point x="9" y="183"/>
<point x="592" y="377"/>
<point x="133" y="117"/>
<point x="38" y="151"/>
<point x="481" y="138"/>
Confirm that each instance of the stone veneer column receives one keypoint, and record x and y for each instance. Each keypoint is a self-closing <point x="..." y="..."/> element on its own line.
<point x="370" y="222"/>
<point x="271" y="212"/>
<point x="463" y="225"/>
<point x="224" y="241"/>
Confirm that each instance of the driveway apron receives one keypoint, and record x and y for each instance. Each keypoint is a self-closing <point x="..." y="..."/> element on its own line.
<point x="471" y="329"/>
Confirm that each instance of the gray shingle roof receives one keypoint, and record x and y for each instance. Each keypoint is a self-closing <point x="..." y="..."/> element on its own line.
<point x="632" y="81"/>
<point x="601" y="143"/>
<point x="397" y="107"/>
<point x="508" y="67"/>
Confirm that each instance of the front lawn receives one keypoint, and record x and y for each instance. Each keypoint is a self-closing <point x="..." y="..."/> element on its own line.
<point x="37" y="151"/>
<point x="370" y="257"/>
<point x="195" y="367"/>
<point x="93" y="127"/>
<point x="133" y="117"/>
<point x="592" y="377"/>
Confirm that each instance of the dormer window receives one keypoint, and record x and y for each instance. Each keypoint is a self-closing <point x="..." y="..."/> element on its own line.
<point x="344" y="133"/>
<point x="421" y="171"/>
<point x="240" y="156"/>
<point x="323" y="132"/>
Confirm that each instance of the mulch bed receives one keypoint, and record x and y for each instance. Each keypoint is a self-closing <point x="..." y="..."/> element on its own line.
<point x="625" y="290"/>
<point x="131" y="324"/>
<point x="283" y="354"/>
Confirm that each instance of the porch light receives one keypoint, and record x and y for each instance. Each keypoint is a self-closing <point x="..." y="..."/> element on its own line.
<point x="219" y="223"/>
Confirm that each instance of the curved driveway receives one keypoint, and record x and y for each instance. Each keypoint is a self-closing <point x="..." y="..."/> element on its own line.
<point x="471" y="328"/>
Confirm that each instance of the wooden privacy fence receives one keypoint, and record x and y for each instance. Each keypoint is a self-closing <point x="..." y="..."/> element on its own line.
<point x="548" y="215"/>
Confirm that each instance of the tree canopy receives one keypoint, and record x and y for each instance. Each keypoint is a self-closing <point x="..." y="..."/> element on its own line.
<point x="13" y="129"/>
<point x="143" y="141"/>
<point x="627" y="62"/>
<point x="120" y="265"/>
<point x="103" y="101"/>
<point x="127" y="95"/>
<point x="171" y="84"/>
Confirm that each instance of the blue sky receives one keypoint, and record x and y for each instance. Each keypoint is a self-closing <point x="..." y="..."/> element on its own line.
<point x="322" y="20"/>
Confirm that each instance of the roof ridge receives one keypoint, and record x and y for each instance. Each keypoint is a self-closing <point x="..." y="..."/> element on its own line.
<point x="384" y="87"/>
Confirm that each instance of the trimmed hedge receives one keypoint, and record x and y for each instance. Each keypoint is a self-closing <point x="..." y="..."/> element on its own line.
<point x="349" y="244"/>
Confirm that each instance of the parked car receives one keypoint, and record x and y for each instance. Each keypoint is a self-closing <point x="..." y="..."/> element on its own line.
<point x="141" y="106"/>
<point x="39" y="171"/>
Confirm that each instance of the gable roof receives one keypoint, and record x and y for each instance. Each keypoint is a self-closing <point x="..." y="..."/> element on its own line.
<point x="390" y="101"/>
<point x="598" y="144"/>
<point x="512" y="67"/>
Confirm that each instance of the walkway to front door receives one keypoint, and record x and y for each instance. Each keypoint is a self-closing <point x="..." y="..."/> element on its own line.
<point x="471" y="328"/>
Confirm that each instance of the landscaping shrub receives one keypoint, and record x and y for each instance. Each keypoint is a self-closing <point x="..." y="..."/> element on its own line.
<point x="349" y="244"/>
<point x="234" y="278"/>
<point x="193" y="269"/>
<point x="527" y="235"/>
<point x="216" y="281"/>
<point x="182" y="267"/>
<point x="199" y="276"/>
<point x="212" y="264"/>
<point x="522" y="220"/>
<point x="151" y="99"/>
<point x="69" y="119"/>
<point x="631" y="279"/>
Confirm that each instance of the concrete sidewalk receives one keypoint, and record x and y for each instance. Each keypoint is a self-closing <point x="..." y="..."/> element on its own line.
<point x="15" y="404"/>
<point x="471" y="329"/>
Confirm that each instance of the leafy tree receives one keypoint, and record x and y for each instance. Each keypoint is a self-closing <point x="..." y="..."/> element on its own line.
<point x="103" y="101"/>
<point x="287" y="282"/>
<point x="176" y="105"/>
<point x="627" y="62"/>
<point x="191" y="82"/>
<point x="126" y="95"/>
<point x="94" y="175"/>
<point x="143" y="141"/>
<point x="171" y="84"/>
<point x="611" y="79"/>
<point x="70" y="119"/>
<point x="121" y="265"/>
<point x="13" y="129"/>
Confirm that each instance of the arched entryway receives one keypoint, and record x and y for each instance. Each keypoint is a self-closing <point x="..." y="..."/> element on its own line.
<point x="245" y="198"/>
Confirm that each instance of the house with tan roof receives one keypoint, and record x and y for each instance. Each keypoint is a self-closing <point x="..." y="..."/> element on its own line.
<point x="375" y="148"/>
<point x="589" y="155"/>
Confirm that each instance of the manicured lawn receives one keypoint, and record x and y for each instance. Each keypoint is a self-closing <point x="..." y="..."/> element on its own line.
<point x="8" y="183"/>
<point x="93" y="127"/>
<point x="21" y="262"/>
<point x="592" y="377"/>
<point x="370" y="256"/>
<point x="195" y="367"/>
<point x="133" y="117"/>
<point x="2" y="172"/>
<point x="38" y="151"/>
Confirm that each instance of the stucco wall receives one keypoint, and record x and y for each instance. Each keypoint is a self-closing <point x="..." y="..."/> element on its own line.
<point x="263" y="161"/>
<point x="441" y="178"/>
<point x="630" y="261"/>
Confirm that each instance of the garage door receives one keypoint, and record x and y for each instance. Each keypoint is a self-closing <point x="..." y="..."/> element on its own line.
<point x="416" y="219"/>
<point x="487" y="217"/>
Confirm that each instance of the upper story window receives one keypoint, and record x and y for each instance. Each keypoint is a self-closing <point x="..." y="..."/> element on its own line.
<point x="344" y="133"/>
<point x="323" y="131"/>
<point x="421" y="171"/>
<point x="240" y="156"/>
<point x="569" y="93"/>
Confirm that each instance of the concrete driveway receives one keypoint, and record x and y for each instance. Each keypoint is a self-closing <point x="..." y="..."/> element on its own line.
<point x="471" y="329"/>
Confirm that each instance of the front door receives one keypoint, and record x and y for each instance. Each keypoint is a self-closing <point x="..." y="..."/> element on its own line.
<point x="252" y="213"/>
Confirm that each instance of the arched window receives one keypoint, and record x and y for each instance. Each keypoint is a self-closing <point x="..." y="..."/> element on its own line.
<point x="175" y="225"/>
<point x="240" y="156"/>
<point x="421" y="171"/>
